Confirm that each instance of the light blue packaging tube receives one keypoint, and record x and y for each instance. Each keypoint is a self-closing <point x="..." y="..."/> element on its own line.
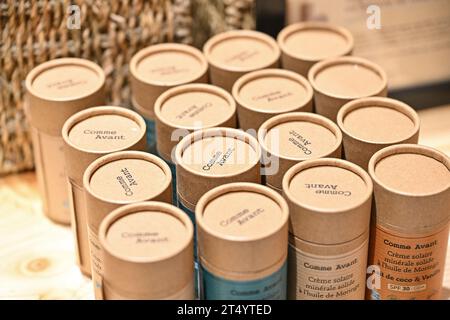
<point x="242" y="239"/>
<point x="271" y="287"/>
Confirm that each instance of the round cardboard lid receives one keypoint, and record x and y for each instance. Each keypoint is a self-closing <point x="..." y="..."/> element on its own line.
<point x="168" y="64"/>
<point x="411" y="170"/>
<point x="242" y="212"/>
<point x="299" y="136"/>
<point x="315" y="41"/>
<point x="217" y="152"/>
<point x="347" y="78"/>
<point x="65" y="80"/>
<point x="147" y="234"/>
<point x="103" y="129"/>
<point x="194" y="106"/>
<point x="327" y="185"/>
<point x="372" y="120"/>
<point x="127" y="176"/>
<point x="272" y="91"/>
<point x="237" y="220"/>
<point x="241" y="50"/>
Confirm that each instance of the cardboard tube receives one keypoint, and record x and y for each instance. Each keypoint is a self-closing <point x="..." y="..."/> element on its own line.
<point x="158" y="68"/>
<point x="56" y="90"/>
<point x="183" y="109"/>
<point x="337" y="81"/>
<point x="329" y="203"/>
<point x="410" y="223"/>
<point x="242" y="240"/>
<point x="234" y="53"/>
<point x="88" y="135"/>
<point x="306" y="43"/>
<point x="263" y="94"/>
<point x="147" y="251"/>
<point x="290" y="138"/>
<point x="115" y="180"/>
<point x="371" y="124"/>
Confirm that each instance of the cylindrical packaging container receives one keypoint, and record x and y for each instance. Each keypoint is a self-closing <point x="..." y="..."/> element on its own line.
<point x="157" y="68"/>
<point x="305" y="43"/>
<point x="410" y="223"/>
<point x="242" y="240"/>
<point x="147" y="252"/>
<point x="56" y="90"/>
<point x="212" y="157"/>
<point x="290" y="138"/>
<point x="329" y="204"/>
<point x="234" y="53"/>
<point x="263" y="94"/>
<point x="371" y="124"/>
<point x="181" y="110"/>
<point x="88" y="135"/>
<point x="340" y="80"/>
<point x="115" y="180"/>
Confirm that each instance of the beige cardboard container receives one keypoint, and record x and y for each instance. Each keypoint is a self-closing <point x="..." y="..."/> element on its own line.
<point x="263" y="94"/>
<point x="370" y="124"/>
<point x="243" y="237"/>
<point x="339" y="80"/>
<point x="290" y="138"/>
<point x="183" y="109"/>
<point x="410" y="223"/>
<point x="306" y="43"/>
<point x="148" y="252"/>
<point x="234" y="53"/>
<point x="88" y="135"/>
<point x="56" y="90"/>
<point x="159" y="67"/>
<point x="115" y="180"/>
<point x="211" y="157"/>
<point x="329" y="204"/>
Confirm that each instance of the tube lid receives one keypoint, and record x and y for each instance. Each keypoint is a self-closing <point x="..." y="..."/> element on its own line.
<point x="272" y="91"/>
<point x="241" y="50"/>
<point x="58" y="88"/>
<point x="191" y="107"/>
<point x="315" y="41"/>
<point x="148" y="249"/>
<point x="347" y="78"/>
<point x="371" y="120"/>
<point x="328" y="195"/>
<point x="242" y="228"/>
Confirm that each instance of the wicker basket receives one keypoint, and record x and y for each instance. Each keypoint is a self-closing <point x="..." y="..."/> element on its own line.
<point x="110" y="33"/>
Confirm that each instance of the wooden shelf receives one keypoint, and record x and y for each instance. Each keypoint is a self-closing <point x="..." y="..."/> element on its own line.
<point x="37" y="259"/>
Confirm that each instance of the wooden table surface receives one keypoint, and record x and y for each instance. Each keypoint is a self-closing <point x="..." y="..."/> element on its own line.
<point x="37" y="256"/>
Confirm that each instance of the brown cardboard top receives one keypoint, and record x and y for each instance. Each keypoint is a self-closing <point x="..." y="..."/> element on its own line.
<point x="272" y="91"/>
<point x="194" y="106"/>
<point x="329" y="185"/>
<point x="65" y="79"/>
<point x="347" y="77"/>
<point x="127" y="176"/>
<point x="236" y="220"/>
<point x="241" y="50"/>
<point x="168" y="64"/>
<point x="315" y="41"/>
<point x="150" y="234"/>
<point x="378" y="120"/>
<point x="217" y="152"/>
<point x="329" y="200"/>
<point x="58" y="88"/>
<point x="147" y="250"/>
<point x="241" y="212"/>
<point x="299" y="136"/>
<point x="103" y="129"/>
<point x="411" y="170"/>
